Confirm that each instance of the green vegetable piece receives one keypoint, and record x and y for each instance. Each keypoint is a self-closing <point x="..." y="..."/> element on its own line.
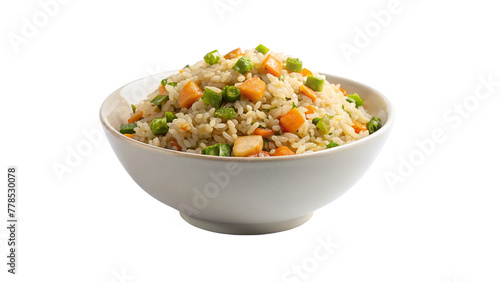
<point x="173" y="84"/>
<point x="316" y="84"/>
<point x="133" y="108"/>
<point x="293" y="105"/>
<point x="293" y="65"/>
<point x="211" y="97"/>
<point x="262" y="49"/>
<point x="164" y="82"/>
<point x="350" y="100"/>
<point x="316" y="120"/>
<point x="170" y="116"/>
<point x="159" y="126"/>
<point x="187" y="66"/>
<point x="224" y="112"/>
<point x="128" y="128"/>
<point x="356" y="98"/>
<point x="331" y="144"/>
<point x="212" y="58"/>
<point x="211" y="150"/>
<point x="243" y="65"/>
<point x="374" y="124"/>
<point x="231" y="94"/>
<point x="324" y="124"/>
<point x="222" y="150"/>
<point x="159" y="100"/>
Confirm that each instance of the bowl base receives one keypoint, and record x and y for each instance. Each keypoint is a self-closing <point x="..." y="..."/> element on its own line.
<point x="246" y="229"/>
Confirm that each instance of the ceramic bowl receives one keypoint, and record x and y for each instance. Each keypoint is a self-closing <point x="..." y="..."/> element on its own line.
<point x="243" y="195"/>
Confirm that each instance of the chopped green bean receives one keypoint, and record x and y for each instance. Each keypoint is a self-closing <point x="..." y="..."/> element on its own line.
<point x="224" y="112"/>
<point x="159" y="126"/>
<point x="170" y="116"/>
<point x="164" y="82"/>
<point x="374" y="124"/>
<point x="231" y="94"/>
<point x="316" y="84"/>
<point x="219" y="149"/>
<point x="186" y="66"/>
<point x="212" y="58"/>
<point x="350" y="100"/>
<point x="159" y="100"/>
<point x="133" y="108"/>
<point x="173" y="84"/>
<point x="262" y="49"/>
<point x="211" y="97"/>
<point x="128" y="128"/>
<point x="316" y="120"/>
<point x="293" y="65"/>
<point x="331" y="144"/>
<point x="357" y="99"/>
<point x="243" y="65"/>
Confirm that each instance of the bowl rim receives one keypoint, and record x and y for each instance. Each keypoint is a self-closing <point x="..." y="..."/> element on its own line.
<point x="386" y="127"/>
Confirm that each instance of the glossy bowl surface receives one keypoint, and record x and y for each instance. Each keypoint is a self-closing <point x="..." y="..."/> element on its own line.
<point x="243" y="195"/>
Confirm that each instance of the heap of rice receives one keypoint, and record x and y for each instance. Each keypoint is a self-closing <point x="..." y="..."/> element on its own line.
<point x="197" y="127"/>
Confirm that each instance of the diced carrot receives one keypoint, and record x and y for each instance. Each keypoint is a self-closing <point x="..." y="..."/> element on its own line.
<point x="343" y="91"/>
<point x="128" y="135"/>
<point x="135" y="117"/>
<point x="292" y="120"/>
<point x="162" y="89"/>
<point x="174" y="144"/>
<point x="306" y="72"/>
<point x="272" y="65"/>
<point x="233" y="54"/>
<point x="253" y="89"/>
<point x="262" y="154"/>
<point x="310" y="110"/>
<point x="283" y="151"/>
<point x="308" y="92"/>
<point x="189" y="94"/>
<point x="358" y="126"/>
<point x="264" y="132"/>
<point x="180" y="71"/>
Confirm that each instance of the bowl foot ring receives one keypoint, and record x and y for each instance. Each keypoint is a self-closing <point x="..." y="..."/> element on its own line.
<point x="246" y="229"/>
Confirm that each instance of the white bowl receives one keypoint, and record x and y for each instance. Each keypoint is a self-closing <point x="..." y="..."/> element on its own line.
<point x="243" y="195"/>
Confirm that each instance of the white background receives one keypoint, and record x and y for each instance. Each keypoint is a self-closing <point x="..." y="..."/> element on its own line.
<point x="439" y="221"/>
